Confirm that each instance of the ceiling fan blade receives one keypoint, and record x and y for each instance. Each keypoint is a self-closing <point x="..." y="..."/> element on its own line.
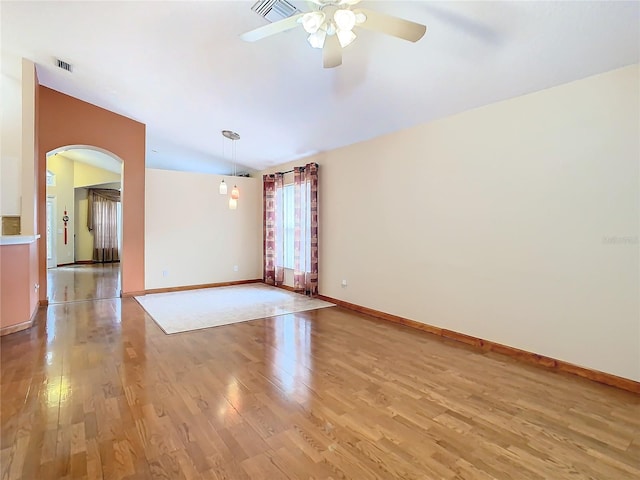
<point x="397" y="27"/>
<point x="272" y="28"/>
<point x="332" y="52"/>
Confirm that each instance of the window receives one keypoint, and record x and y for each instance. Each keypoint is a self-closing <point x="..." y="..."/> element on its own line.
<point x="288" y="192"/>
<point x="51" y="179"/>
<point x="291" y="229"/>
<point x="289" y="222"/>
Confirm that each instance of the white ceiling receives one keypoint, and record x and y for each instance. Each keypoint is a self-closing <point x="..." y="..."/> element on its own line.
<point x="180" y="68"/>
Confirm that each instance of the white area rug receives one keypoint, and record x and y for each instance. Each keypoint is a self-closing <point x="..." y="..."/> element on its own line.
<point x="211" y="307"/>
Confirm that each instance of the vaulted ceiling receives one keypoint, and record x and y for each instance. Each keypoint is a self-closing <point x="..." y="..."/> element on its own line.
<point x="181" y="68"/>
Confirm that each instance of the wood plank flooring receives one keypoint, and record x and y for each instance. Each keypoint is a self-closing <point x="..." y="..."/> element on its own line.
<point x="73" y="283"/>
<point x="97" y="391"/>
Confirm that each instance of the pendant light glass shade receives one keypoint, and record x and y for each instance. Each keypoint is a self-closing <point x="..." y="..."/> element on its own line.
<point x="235" y="193"/>
<point x="345" y="37"/>
<point x="345" y="19"/>
<point x="312" y="21"/>
<point x="316" y="40"/>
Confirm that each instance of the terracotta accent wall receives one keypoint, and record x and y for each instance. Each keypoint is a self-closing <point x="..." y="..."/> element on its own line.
<point x="19" y="300"/>
<point x="62" y="120"/>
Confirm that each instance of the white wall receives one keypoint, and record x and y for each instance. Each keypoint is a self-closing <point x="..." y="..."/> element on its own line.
<point x="191" y="234"/>
<point x="516" y="222"/>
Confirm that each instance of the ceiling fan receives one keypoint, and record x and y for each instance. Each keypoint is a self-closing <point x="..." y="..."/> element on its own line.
<point x="330" y="27"/>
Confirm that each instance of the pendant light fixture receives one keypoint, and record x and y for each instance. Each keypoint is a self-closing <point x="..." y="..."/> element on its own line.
<point x="235" y="193"/>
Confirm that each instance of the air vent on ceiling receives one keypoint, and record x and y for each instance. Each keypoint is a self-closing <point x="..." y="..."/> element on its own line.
<point x="274" y="10"/>
<point x="64" y="65"/>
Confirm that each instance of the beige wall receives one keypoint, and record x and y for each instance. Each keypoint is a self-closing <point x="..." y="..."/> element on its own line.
<point x="87" y="175"/>
<point x="71" y="174"/>
<point x="10" y="176"/>
<point x="17" y="172"/>
<point x="10" y="146"/>
<point x="516" y="222"/>
<point x="191" y="234"/>
<point x="83" y="237"/>
<point x="28" y="192"/>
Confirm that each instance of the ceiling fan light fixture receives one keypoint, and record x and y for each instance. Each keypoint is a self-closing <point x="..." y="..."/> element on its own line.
<point x="345" y="19"/>
<point x="316" y="40"/>
<point x="336" y="18"/>
<point x="312" y="21"/>
<point x="345" y="37"/>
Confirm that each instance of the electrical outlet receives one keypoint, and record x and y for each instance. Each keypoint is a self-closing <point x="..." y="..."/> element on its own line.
<point x="344" y="283"/>
<point x="235" y="268"/>
<point x="165" y="273"/>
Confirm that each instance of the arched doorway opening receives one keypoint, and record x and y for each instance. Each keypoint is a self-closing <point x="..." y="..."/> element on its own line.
<point x="83" y="237"/>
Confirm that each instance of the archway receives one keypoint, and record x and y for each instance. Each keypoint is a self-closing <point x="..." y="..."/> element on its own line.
<point x="64" y="120"/>
<point x="78" y="267"/>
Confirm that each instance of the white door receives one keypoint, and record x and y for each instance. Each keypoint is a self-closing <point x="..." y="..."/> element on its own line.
<point x="51" y="231"/>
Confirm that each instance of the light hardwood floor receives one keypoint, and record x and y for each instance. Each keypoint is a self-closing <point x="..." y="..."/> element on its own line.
<point x="73" y="283"/>
<point x="96" y="390"/>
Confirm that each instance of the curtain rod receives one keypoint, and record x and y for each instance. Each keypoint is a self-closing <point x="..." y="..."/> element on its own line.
<point x="289" y="171"/>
